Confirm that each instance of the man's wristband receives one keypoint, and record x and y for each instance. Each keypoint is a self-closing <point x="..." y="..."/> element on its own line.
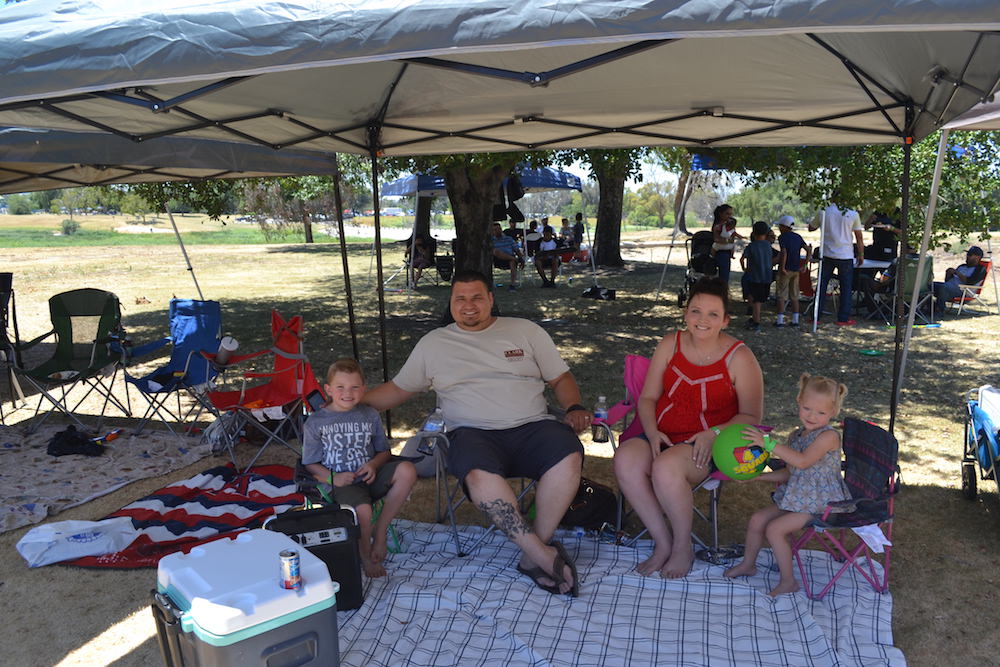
<point x="574" y="408"/>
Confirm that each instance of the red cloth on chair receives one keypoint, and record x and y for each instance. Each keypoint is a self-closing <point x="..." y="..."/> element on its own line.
<point x="292" y="377"/>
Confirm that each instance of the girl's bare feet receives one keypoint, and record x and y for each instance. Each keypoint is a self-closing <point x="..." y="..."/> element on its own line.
<point x="679" y="563"/>
<point x="654" y="562"/>
<point x="789" y="586"/>
<point x="744" y="569"/>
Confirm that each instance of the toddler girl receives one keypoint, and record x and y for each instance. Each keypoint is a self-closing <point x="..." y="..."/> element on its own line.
<point x="811" y="480"/>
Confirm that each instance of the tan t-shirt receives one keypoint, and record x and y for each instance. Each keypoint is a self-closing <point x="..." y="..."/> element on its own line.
<point x="490" y="379"/>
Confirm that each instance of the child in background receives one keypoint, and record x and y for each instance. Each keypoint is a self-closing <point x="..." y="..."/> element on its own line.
<point x="345" y="449"/>
<point x="547" y="258"/>
<point x="758" y="263"/>
<point x="811" y="480"/>
<point x="790" y="264"/>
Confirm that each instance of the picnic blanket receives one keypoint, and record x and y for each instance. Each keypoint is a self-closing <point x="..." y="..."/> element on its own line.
<point x="218" y="502"/>
<point x="35" y="485"/>
<point x="437" y="609"/>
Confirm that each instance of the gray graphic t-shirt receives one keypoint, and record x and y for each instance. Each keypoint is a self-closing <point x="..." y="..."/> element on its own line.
<point x="343" y="441"/>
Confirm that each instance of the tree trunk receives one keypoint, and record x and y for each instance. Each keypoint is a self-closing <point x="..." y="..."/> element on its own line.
<point x="422" y="222"/>
<point x="680" y="201"/>
<point x="607" y="237"/>
<point x="472" y="189"/>
<point x="307" y="226"/>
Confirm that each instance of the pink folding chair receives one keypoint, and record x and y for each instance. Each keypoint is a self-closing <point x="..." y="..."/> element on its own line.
<point x="871" y="471"/>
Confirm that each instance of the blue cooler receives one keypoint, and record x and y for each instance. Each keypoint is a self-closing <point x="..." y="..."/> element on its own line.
<point x="223" y="604"/>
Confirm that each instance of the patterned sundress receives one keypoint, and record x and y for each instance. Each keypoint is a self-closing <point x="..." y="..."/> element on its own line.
<point x="810" y="490"/>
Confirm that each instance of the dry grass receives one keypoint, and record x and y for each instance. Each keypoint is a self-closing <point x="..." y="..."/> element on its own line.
<point x="944" y="577"/>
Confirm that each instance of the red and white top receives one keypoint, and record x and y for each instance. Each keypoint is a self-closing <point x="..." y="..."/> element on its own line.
<point x="695" y="397"/>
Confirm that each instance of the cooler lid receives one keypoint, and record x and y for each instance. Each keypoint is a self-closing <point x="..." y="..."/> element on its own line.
<point x="230" y="585"/>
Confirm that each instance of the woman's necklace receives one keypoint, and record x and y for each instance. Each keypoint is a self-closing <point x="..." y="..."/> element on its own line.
<point x="701" y="355"/>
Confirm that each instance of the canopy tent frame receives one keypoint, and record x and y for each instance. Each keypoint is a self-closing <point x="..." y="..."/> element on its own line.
<point x="961" y="40"/>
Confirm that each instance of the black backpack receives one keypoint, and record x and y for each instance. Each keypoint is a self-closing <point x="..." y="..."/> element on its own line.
<point x="593" y="506"/>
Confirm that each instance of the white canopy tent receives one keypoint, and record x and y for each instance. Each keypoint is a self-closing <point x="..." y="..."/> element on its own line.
<point x="453" y="76"/>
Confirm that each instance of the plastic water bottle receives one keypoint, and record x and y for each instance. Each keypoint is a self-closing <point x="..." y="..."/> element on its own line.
<point x="598" y="433"/>
<point x="434" y="424"/>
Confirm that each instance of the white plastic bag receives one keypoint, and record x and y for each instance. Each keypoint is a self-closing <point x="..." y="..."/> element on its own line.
<point x="66" y="540"/>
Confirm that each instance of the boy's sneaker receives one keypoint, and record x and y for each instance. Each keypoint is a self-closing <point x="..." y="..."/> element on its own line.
<point x="793" y="324"/>
<point x="779" y="324"/>
<point x="847" y="323"/>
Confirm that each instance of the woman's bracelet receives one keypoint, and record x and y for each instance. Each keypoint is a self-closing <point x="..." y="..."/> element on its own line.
<point x="574" y="408"/>
<point x="716" y="430"/>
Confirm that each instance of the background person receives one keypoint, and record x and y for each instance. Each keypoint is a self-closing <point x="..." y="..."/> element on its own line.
<point x="790" y="264"/>
<point x="724" y="237"/>
<point x="971" y="273"/>
<point x="840" y="255"/>
<point x="506" y="254"/>
<point x="699" y="381"/>
<point x="490" y="375"/>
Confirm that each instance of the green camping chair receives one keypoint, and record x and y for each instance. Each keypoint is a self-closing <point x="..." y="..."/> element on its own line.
<point x="89" y="350"/>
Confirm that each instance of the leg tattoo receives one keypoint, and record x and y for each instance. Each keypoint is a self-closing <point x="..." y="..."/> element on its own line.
<point x="505" y="517"/>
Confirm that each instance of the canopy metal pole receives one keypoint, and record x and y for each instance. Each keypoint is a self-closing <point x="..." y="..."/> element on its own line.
<point x="593" y="261"/>
<point x="187" y="260"/>
<point x="380" y="287"/>
<point x="899" y="363"/>
<point x="673" y="235"/>
<point x="338" y="202"/>
<point x="819" y="276"/>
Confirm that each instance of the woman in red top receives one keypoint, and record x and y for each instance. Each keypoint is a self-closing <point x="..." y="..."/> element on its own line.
<point x="699" y="379"/>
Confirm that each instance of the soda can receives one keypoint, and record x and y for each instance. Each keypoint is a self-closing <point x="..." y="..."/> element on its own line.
<point x="290" y="576"/>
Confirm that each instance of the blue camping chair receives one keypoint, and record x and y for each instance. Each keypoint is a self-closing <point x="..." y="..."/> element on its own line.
<point x="195" y="327"/>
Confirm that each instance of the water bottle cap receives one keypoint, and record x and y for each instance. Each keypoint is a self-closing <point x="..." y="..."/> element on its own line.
<point x="601" y="398"/>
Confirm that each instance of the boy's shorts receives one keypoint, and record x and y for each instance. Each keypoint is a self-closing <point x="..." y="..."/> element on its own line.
<point x="788" y="286"/>
<point x="549" y="262"/>
<point x="528" y="450"/>
<point x="362" y="493"/>
<point x="759" y="292"/>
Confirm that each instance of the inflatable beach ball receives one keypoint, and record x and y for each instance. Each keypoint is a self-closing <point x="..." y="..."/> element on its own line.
<point x="735" y="456"/>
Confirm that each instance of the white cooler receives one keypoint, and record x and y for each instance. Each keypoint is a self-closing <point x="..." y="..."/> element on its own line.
<point x="222" y="604"/>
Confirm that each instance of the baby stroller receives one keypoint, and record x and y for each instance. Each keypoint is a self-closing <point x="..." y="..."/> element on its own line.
<point x="981" y="449"/>
<point x="700" y="262"/>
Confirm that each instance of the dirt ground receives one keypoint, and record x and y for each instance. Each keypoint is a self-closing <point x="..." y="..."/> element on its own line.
<point x="943" y="580"/>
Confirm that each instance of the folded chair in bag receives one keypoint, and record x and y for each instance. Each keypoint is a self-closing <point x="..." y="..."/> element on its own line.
<point x="871" y="471"/>
<point x="89" y="351"/>
<point x="634" y="378"/>
<point x="272" y="410"/>
<point x="195" y="329"/>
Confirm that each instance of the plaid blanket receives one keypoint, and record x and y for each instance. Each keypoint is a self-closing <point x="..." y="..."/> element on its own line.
<point x="437" y="609"/>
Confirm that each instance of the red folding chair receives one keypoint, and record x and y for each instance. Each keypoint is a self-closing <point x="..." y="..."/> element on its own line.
<point x="871" y="471"/>
<point x="274" y="409"/>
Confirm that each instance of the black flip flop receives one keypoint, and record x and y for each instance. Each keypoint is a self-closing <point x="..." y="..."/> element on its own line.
<point x="568" y="562"/>
<point x="537" y="573"/>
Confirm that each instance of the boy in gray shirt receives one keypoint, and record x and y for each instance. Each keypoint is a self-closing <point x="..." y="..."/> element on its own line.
<point x="345" y="449"/>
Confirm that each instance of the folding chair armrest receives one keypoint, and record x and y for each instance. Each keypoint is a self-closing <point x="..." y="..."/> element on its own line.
<point x="34" y="341"/>
<point x="270" y="374"/>
<point x="136" y="352"/>
<point x="233" y="360"/>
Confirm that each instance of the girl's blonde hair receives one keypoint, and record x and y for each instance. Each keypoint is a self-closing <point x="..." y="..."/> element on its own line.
<point x="825" y="386"/>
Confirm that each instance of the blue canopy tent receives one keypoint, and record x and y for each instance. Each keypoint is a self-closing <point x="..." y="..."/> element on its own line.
<point x="532" y="180"/>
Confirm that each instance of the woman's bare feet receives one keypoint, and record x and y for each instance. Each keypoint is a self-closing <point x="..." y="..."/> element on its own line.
<point x="679" y="563"/>
<point x="744" y="569"/>
<point x="789" y="586"/>
<point x="654" y="562"/>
